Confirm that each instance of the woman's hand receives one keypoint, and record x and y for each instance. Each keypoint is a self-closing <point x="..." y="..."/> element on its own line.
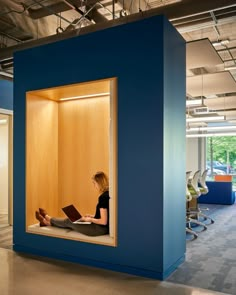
<point x="86" y="218"/>
<point x="101" y="221"/>
<point x="88" y="215"/>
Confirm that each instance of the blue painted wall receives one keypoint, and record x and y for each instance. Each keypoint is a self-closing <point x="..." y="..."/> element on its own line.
<point x="6" y="95"/>
<point x="174" y="153"/>
<point x="151" y="141"/>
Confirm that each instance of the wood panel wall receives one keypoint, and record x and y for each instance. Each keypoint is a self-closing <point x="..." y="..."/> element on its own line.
<point x="83" y="150"/>
<point x="41" y="156"/>
<point x="67" y="142"/>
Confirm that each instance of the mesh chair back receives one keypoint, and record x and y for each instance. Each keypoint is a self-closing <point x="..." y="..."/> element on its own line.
<point x="202" y="181"/>
<point x="193" y="187"/>
<point x="188" y="194"/>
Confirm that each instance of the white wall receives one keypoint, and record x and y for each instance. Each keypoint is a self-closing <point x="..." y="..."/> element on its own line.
<point x="3" y="168"/>
<point x="195" y="154"/>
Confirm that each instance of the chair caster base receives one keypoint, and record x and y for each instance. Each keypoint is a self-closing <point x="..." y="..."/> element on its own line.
<point x="191" y="232"/>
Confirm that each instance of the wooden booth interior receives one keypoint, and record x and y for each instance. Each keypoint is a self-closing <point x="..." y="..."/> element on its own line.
<point x="70" y="135"/>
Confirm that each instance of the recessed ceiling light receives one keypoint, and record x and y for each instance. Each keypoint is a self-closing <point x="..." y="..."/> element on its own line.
<point x="230" y="68"/>
<point x="220" y="43"/>
<point x="211" y="134"/>
<point x="193" y="102"/>
<point x="205" y="119"/>
<point x="209" y="128"/>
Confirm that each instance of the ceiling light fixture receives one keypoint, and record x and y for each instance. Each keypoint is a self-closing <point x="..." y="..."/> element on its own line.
<point x="205" y="119"/>
<point x="220" y="43"/>
<point x="85" y="96"/>
<point x="211" y="134"/>
<point x="193" y="102"/>
<point x="230" y="68"/>
<point x="3" y="121"/>
<point x="211" y="96"/>
<point x="209" y="128"/>
<point x="6" y="74"/>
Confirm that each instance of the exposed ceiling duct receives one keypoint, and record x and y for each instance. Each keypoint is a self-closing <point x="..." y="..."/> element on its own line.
<point x="30" y="23"/>
<point x="181" y="13"/>
<point x="72" y="17"/>
<point x="36" y="13"/>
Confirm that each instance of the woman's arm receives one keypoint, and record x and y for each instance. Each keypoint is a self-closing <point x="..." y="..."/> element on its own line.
<point x="101" y="221"/>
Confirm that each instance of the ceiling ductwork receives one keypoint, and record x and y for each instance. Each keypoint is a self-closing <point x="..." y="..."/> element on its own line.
<point x="177" y="12"/>
<point x="208" y="28"/>
<point x="76" y="17"/>
<point x="96" y="16"/>
<point x="47" y="10"/>
<point x="56" y="8"/>
<point x="91" y="14"/>
<point x="181" y="13"/>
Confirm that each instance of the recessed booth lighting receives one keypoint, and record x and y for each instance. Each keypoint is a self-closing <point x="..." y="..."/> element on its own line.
<point x="3" y="121"/>
<point x="85" y="96"/>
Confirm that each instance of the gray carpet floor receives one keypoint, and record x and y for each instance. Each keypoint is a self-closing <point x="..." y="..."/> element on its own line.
<point x="211" y="258"/>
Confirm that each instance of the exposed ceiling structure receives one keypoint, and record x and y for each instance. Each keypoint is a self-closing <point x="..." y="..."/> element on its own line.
<point x="209" y="28"/>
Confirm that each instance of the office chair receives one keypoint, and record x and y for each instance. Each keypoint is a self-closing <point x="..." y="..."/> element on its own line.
<point x="204" y="190"/>
<point x="188" y="199"/>
<point x="193" y="213"/>
<point x="202" y="181"/>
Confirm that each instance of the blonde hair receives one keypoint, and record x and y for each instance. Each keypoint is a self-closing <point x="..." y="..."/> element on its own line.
<point x="102" y="181"/>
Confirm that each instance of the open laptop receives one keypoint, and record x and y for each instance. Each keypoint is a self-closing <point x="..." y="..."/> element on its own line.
<point x="73" y="214"/>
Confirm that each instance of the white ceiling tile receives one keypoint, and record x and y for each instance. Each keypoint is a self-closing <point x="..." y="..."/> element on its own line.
<point x="208" y="84"/>
<point x="221" y="103"/>
<point x="201" y="53"/>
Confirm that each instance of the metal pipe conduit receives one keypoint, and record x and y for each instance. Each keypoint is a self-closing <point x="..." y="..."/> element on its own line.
<point x="85" y="14"/>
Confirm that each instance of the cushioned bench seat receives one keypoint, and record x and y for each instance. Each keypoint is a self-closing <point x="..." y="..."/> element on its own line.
<point x="69" y="234"/>
<point x="219" y="193"/>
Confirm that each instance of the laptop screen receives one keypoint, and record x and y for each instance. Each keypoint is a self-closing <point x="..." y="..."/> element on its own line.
<point x="72" y="213"/>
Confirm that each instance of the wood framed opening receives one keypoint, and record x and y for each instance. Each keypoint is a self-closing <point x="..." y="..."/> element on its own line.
<point x="71" y="133"/>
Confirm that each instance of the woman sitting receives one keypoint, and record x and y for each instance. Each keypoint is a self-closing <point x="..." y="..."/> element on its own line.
<point x="99" y="221"/>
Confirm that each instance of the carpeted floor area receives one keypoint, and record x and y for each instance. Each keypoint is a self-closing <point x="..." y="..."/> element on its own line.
<point x="211" y="258"/>
<point x="5" y="232"/>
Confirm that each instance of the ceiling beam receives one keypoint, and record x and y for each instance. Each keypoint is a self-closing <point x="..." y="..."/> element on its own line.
<point x="188" y="8"/>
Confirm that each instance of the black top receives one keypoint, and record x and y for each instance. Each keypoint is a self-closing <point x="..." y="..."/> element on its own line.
<point x="103" y="202"/>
